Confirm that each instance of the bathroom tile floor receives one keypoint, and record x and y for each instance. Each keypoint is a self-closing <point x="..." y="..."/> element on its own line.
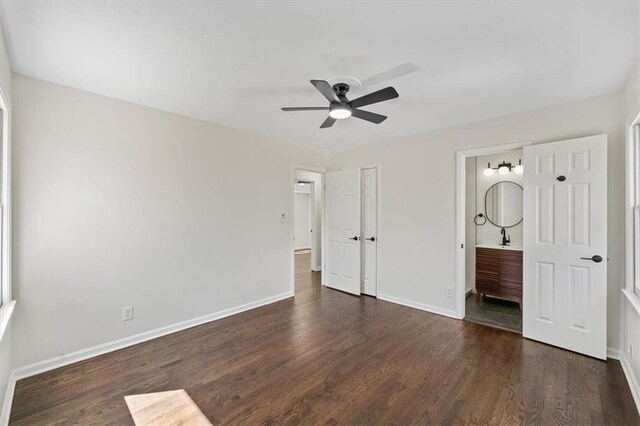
<point x="494" y="312"/>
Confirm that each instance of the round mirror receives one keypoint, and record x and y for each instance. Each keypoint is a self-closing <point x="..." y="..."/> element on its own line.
<point x="503" y="204"/>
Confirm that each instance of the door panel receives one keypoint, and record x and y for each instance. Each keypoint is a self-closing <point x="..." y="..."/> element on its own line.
<point x="545" y="291"/>
<point x="579" y="223"/>
<point x="565" y="224"/>
<point x="343" y="225"/>
<point x="545" y="214"/>
<point x="369" y="182"/>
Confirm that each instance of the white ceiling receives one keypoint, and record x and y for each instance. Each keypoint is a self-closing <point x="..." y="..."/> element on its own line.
<point x="237" y="63"/>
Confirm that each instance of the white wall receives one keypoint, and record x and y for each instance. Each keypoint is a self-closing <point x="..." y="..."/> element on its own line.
<point x="316" y="178"/>
<point x="302" y="219"/>
<point x="489" y="233"/>
<point x="417" y="251"/>
<point x="118" y="204"/>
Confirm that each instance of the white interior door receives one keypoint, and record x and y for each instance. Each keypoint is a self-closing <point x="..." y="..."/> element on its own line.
<point x="565" y="244"/>
<point x="369" y="185"/>
<point x="342" y="206"/>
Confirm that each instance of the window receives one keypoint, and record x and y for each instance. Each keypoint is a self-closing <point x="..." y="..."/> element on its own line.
<point x="6" y="301"/>
<point x="5" y="296"/>
<point x="635" y="201"/>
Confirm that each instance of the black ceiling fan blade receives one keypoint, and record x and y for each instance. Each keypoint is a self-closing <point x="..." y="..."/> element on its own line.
<point x="326" y="90"/>
<point x="305" y="108"/>
<point x="328" y="122"/>
<point x="375" y="97"/>
<point x="368" y="116"/>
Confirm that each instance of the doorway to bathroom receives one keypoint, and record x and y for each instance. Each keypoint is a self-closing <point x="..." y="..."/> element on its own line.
<point x="557" y="274"/>
<point x="493" y="240"/>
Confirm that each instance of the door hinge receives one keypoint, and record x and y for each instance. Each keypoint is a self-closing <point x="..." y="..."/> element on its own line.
<point x="462" y="245"/>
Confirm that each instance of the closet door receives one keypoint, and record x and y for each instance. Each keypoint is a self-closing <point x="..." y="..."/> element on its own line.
<point x="369" y="234"/>
<point x="342" y="204"/>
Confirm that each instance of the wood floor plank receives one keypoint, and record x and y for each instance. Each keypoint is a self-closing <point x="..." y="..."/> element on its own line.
<point x="326" y="357"/>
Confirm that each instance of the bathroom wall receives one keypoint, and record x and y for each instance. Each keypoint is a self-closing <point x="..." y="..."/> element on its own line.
<point x="489" y="233"/>
<point x="470" y="227"/>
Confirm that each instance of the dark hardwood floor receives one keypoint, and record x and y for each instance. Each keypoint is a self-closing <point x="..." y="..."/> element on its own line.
<point x="328" y="357"/>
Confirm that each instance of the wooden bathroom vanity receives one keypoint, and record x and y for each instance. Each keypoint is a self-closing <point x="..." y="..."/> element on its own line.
<point x="499" y="272"/>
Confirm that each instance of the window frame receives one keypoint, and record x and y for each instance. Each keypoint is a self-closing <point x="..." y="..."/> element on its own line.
<point x="7" y="302"/>
<point x="632" y="198"/>
<point x="634" y="205"/>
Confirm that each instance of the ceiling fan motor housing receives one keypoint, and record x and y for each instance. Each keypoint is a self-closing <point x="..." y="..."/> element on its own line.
<point x="341" y="90"/>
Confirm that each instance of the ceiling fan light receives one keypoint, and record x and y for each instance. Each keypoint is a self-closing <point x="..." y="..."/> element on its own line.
<point x="340" y="112"/>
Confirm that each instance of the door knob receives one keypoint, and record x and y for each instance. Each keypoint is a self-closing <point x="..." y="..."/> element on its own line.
<point x="371" y="239"/>
<point x="596" y="258"/>
<point x="354" y="238"/>
<point x="561" y="178"/>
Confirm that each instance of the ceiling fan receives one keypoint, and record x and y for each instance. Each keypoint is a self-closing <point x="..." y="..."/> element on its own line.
<point x="340" y="107"/>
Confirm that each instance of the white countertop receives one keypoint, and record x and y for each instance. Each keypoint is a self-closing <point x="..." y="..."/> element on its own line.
<point x="498" y="246"/>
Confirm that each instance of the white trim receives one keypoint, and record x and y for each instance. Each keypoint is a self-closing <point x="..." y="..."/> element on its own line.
<point x="5" y="106"/>
<point x="6" y="310"/>
<point x="634" y="386"/>
<point x="633" y="299"/>
<point x="461" y="156"/>
<point x="633" y="119"/>
<point x="417" y="305"/>
<point x="8" y="399"/>
<point x="313" y="219"/>
<point x="613" y="353"/>
<point x="83" y="354"/>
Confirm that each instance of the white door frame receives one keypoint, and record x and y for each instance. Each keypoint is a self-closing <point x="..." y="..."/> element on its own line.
<point x="292" y="246"/>
<point x="311" y="204"/>
<point x="379" y="238"/>
<point x="461" y="157"/>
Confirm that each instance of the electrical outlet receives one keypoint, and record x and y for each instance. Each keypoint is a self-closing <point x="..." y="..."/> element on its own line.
<point x="127" y="313"/>
<point x="449" y="291"/>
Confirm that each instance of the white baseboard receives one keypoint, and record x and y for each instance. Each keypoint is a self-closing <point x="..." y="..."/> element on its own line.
<point x="8" y="400"/>
<point x="634" y="386"/>
<point x="613" y="353"/>
<point x="416" y="305"/>
<point x="81" y="355"/>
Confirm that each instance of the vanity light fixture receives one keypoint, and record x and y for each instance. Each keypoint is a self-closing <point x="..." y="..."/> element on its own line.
<point x="519" y="169"/>
<point x="504" y="168"/>
<point x="488" y="171"/>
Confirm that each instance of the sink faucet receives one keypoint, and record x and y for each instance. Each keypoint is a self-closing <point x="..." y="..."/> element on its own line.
<point x="505" y="240"/>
